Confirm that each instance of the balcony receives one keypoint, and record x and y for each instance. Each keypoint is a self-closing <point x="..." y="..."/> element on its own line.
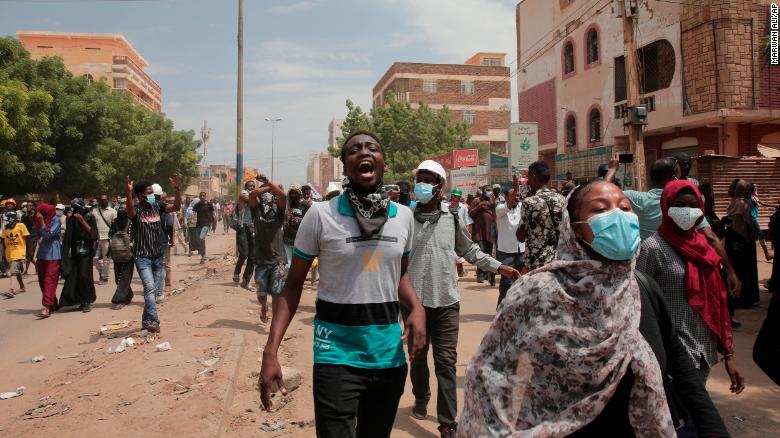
<point x="125" y="64"/>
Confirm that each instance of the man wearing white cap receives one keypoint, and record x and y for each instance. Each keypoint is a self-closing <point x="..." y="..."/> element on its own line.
<point x="438" y="232"/>
<point x="104" y="216"/>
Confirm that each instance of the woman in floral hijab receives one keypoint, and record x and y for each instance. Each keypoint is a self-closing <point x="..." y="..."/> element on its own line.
<point x="566" y="338"/>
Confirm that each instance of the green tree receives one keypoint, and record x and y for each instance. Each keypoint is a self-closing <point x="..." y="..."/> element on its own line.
<point x="58" y="132"/>
<point x="408" y="135"/>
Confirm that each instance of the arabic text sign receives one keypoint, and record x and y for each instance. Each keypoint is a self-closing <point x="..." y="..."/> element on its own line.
<point x="523" y="145"/>
<point x="464" y="178"/>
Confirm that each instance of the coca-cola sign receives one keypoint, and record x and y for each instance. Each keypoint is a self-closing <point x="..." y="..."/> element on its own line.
<point x="458" y="158"/>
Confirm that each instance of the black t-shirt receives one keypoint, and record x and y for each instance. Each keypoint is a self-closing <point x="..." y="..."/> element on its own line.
<point x="293" y="221"/>
<point x="205" y="212"/>
<point x="269" y="247"/>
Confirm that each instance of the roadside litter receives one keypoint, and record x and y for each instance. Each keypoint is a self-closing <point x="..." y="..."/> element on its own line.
<point x="165" y="346"/>
<point x="47" y="407"/>
<point x="114" y="326"/>
<point x="126" y="342"/>
<point x="11" y="394"/>
<point x="273" y="426"/>
<point x="38" y="359"/>
<point x="204" y="307"/>
<point x="69" y="356"/>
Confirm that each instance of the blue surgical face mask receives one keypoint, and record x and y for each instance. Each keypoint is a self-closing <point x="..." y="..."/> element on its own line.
<point x="150" y="198"/>
<point x="615" y="234"/>
<point x="423" y="192"/>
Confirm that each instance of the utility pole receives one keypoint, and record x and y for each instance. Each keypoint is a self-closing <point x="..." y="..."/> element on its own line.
<point x="273" y="121"/>
<point x="240" y="102"/>
<point x="205" y="135"/>
<point x="635" y="137"/>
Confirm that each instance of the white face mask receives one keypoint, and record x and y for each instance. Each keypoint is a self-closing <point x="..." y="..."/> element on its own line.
<point x="685" y="217"/>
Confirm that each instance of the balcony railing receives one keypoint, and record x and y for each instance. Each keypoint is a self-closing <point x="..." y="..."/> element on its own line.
<point x="124" y="60"/>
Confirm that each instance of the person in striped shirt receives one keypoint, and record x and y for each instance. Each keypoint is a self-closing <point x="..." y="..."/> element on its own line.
<point x="148" y="245"/>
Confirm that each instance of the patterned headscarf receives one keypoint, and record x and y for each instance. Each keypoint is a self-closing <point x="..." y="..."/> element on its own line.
<point x="558" y="348"/>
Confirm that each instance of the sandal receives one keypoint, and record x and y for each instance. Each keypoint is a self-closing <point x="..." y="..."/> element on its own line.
<point x="44" y="313"/>
<point x="9" y="294"/>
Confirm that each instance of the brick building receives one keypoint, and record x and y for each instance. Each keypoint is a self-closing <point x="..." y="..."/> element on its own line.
<point x="96" y="56"/>
<point x="702" y="76"/>
<point x="477" y="92"/>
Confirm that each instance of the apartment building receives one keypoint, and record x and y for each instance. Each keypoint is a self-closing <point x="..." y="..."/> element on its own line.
<point x="97" y="56"/>
<point x="477" y="92"/>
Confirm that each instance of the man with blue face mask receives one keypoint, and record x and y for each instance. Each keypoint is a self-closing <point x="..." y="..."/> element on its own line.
<point x="438" y="232"/>
<point x="148" y="245"/>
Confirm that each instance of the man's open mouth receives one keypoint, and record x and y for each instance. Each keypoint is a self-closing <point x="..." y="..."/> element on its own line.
<point x="366" y="168"/>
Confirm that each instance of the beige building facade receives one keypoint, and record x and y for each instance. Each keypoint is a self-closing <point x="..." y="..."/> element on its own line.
<point x="96" y="56"/>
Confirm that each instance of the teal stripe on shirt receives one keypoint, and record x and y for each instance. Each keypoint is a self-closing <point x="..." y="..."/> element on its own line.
<point x="303" y="255"/>
<point x="362" y="346"/>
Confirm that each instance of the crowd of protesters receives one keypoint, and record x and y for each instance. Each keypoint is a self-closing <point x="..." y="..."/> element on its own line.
<point x="613" y="305"/>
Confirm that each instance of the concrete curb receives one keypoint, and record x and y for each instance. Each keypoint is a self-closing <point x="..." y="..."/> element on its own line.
<point x="235" y="353"/>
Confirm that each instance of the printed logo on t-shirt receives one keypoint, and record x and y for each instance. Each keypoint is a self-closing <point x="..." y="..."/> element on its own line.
<point x="378" y="238"/>
<point x="321" y="334"/>
<point x="149" y="218"/>
<point x="371" y="261"/>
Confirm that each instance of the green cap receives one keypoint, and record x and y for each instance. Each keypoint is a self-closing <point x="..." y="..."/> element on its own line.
<point x="456" y="192"/>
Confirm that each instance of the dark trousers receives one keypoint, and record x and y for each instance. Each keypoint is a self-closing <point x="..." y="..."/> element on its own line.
<point x="123" y="275"/>
<point x="485" y="246"/>
<point x="514" y="260"/>
<point x="194" y="239"/>
<point x="245" y="244"/>
<point x="345" y="395"/>
<point x="442" y="328"/>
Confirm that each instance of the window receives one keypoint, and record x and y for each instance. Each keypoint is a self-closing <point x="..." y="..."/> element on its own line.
<point x="491" y="61"/>
<point x="91" y="48"/>
<point x="467" y="87"/>
<point x="469" y="116"/>
<point x="45" y="47"/>
<point x="594" y="124"/>
<point x="120" y="83"/>
<point x="656" y="65"/>
<point x="571" y="131"/>
<point x="89" y="78"/>
<point x="568" y="58"/>
<point x="593" y="46"/>
<point x="429" y="85"/>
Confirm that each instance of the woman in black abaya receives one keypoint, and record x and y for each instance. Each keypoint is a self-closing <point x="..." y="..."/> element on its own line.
<point x="78" y="249"/>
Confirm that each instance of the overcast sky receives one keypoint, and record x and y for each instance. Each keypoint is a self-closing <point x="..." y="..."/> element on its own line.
<point x="302" y="59"/>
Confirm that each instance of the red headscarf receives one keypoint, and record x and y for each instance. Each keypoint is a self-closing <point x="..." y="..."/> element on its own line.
<point x="703" y="283"/>
<point x="48" y="212"/>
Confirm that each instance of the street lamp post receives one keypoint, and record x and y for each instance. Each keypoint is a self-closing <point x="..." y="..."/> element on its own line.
<point x="273" y="121"/>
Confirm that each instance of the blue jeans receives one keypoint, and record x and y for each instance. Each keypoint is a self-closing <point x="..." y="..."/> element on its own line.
<point x="159" y="283"/>
<point x="150" y="270"/>
<point x="514" y="260"/>
<point x="203" y="232"/>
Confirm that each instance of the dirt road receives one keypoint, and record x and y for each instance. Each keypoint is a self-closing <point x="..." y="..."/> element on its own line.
<point x="205" y="385"/>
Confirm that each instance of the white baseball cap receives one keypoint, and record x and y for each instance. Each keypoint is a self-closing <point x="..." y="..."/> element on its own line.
<point x="433" y="167"/>
<point x="157" y="189"/>
<point x="60" y="207"/>
<point x="332" y="188"/>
